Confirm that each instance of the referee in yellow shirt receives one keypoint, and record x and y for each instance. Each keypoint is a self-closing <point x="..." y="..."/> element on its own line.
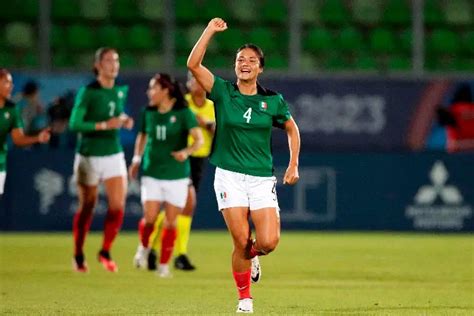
<point x="203" y="108"/>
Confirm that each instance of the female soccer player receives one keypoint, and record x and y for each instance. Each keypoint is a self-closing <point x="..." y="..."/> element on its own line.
<point x="162" y="141"/>
<point x="97" y="116"/>
<point x="244" y="183"/>
<point x="203" y="108"/>
<point x="11" y="123"/>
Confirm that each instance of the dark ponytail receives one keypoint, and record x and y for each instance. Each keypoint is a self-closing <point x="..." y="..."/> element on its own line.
<point x="176" y="90"/>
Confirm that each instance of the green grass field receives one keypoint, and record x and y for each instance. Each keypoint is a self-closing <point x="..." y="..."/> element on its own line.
<point x="310" y="273"/>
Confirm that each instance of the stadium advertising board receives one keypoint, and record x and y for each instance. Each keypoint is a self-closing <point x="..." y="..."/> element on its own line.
<point x="423" y="192"/>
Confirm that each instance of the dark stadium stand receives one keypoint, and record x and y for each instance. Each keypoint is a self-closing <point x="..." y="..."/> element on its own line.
<point x="364" y="35"/>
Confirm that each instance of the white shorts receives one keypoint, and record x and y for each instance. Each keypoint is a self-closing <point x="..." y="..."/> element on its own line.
<point x="93" y="169"/>
<point x="174" y="192"/>
<point x="3" y="175"/>
<point x="234" y="189"/>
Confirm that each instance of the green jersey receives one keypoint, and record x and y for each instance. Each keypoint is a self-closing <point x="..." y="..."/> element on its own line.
<point x="166" y="132"/>
<point x="242" y="142"/>
<point x="10" y="118"/>
<point x="97" y="104"/>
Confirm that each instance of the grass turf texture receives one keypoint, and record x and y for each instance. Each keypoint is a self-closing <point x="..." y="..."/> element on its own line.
<point x="310" y="273"/>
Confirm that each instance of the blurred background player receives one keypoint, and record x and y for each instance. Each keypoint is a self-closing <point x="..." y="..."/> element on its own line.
<point x="244" y="183"/>
<point x="11" y="123"/>
<point x="203" y="108"/>
<point x="97" y="116"/>
<point x="162" y="141"/>
<point x="458" y="119"/>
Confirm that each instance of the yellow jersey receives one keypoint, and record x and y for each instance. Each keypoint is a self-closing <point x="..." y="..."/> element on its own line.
<point x="206" y="112"/>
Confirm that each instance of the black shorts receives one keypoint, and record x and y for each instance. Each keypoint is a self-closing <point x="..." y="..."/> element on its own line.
<point x="197" y="169"/>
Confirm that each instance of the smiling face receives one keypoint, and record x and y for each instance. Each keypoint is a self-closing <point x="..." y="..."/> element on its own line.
<point x="247" y="65"/>
<point x="156" y="93"/>
<point x="109" y="65"/>
<point x="6" y="86"/>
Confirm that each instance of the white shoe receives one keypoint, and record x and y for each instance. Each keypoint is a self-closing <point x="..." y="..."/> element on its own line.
<point x="256" y="271"/>
<point x="245" y="306"/>
<point x="141" y="257"/>
<point x="164" y="271"/>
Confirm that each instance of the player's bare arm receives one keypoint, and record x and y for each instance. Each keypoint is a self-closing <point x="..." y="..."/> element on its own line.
<point x="294" y="143"/>
<point x="183" y="154"/>
<point x="140" y="142"/>
<point x="200" y="72"/>
<point x="20" y="139"/>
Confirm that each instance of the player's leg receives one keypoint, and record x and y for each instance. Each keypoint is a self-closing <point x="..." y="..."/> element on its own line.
<point x="116" y="191"/>
<point x="265" y="216"/>
<point x="87" y="189"/>
<point x="114" y="172"/>
<point x="267" y="235"/>
<point x="184" y="221"/>
<point x="232" y="199"/>
<point x="236" y="219"/>
<point x="176" y="193"/>
<point x="168" y="239"/>
<point x="155" y="237"/>
<point x="151" y="208"/>
<point x="81" y="223"/>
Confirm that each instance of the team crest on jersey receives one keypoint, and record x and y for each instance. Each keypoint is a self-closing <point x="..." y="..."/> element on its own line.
<point x="173" y="119"/>
<point x="120" y="94"/>
<point x="263" y="105"/>
<point x="7" y="115"/>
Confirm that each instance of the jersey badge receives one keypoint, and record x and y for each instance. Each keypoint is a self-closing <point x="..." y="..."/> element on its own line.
<point x="7" y="115"/>
<point x="223" y="195"/>
<point x="263" y="106"/>
<point x="173" y="119"/>
<point x="120" y="94"/>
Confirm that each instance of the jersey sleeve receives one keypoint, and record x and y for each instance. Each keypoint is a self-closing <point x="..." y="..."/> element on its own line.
<point x="218" y="89"/>
<point x="282" y="115"/>
<point x="142" y="123"/>
<point x="17" y="121"/>
<point x="190" y="120"/>
<point x="76" y="122"/>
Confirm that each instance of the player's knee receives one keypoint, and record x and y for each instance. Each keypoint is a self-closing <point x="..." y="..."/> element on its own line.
<point x="242" y="243"/>
<point x="116" y="205"/>
<point x="267" y="245"/>
<point x="87" y="205"/>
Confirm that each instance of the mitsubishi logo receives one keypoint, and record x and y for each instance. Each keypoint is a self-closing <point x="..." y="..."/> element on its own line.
<point x="449" y="194"/>
<point x="438" y="205"/>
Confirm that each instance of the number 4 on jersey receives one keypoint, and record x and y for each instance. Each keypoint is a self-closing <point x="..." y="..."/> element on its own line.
<point x="248" y="115"/>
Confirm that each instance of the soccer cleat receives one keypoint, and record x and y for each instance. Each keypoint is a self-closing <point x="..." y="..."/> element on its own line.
<point x="256" y="271"/>
<point x="164" y="271"/>
<point x="79" y="264"/>
<point x="140" y="260"/>
<point x="152" y="260"/>
<point x="107" y="262"/>
<point x="182" y="262"/>
<point x="245" y="306"/>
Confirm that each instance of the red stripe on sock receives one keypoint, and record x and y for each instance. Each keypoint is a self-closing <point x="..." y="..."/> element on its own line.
<point x="242" y="281"/>
<point x="167" y="244"/>
<point x="113" y="222"/>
